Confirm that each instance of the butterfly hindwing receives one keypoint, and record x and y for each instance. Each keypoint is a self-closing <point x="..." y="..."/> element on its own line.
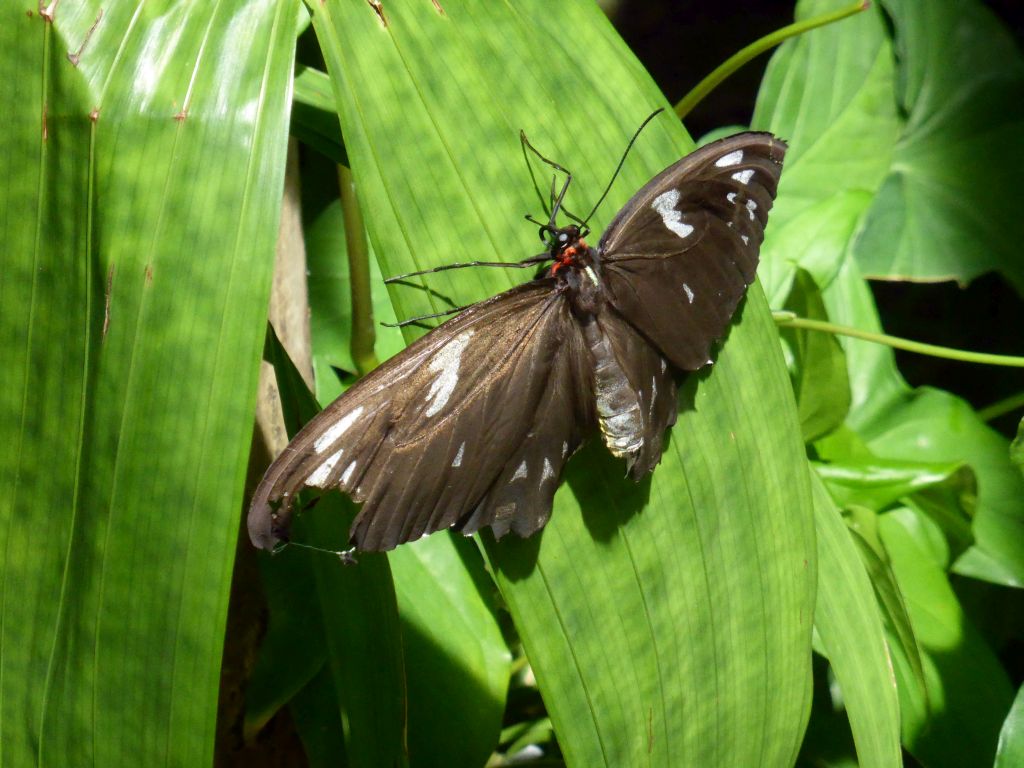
<point x="422" y="440"/>
<point x="677" y="259"/>
<point x="653" y="382"/>
<point x="520" y="500"/>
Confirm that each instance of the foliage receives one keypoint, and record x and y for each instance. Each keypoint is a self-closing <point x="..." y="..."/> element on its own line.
<point x="808" y="498"/>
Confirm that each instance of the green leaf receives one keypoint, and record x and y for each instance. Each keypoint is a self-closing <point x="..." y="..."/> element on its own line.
<point x="639" y="616"/>
<point x="829" y="93"/>
<point x="294" y="651"/>
<point x="1017" y="448"/>
<point x="967" y="687"/>
<point x="849" y="623"/>
<point x="457" y="662"/>
<point x="456" y="659"/>
<point x="358" y="609"/>
<point x="143" y="193"/>
<point x="877" y="483"/>
<point x="948" y="208"/>
<point x="821" y="382"/>
<point x="863" y="525"/>
<point x="896" y="423"/>
<point x="314" y="118"/>
<point x="935" y="426"/>
<point x="1010" y="752"/>
<point x="330" y="294"/>
<point x="314" y="710"/>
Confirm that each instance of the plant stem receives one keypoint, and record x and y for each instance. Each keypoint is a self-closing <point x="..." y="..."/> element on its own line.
<point x="790" y="320"/>
<point x="756" y="48"/>
<point x="363" y="333"/>
<point x="1001" y="407"/>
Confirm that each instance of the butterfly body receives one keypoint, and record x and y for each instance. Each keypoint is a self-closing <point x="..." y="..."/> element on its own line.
<point x="473" y="423"/>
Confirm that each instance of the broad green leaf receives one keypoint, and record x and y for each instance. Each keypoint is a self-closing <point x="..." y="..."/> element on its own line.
<point x="849" y="622"/>
<point x="863" y="525"/>
<point x="144" y="176"/>
<point x="829" y="93"/>
<point x="1010" y="752"/>
<point x="314" y="119"/>
<point x="330" y="297"/>
<point x="640" y="616"/>
<point x="821" y="382"/>
<point x="969" y="693"/>
<point x="314" y="710"/>
<point x="293" y="652"/>
<point x="457" y="664"/>
<point x="948" y="207"/>
<point x="878" y="483"/>
<point x="1017" y="448"/>
<point x="936" y="426"/>
<point x="358" y="611"/>
<point x="930" y="425"/>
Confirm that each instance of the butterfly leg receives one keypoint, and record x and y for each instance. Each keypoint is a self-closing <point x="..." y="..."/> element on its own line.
<point x="463" y="264"/>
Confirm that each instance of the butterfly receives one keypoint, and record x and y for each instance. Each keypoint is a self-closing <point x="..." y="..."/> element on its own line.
<point x="472" y="424"/>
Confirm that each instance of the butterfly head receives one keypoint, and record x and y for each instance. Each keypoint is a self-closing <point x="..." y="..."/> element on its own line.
<point x="561" y="239"/>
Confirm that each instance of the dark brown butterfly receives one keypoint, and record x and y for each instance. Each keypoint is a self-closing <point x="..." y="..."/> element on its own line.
<point x="472" y="424"/>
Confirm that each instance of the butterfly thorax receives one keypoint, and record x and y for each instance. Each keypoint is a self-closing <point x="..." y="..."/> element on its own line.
<point x="577" y="271"/>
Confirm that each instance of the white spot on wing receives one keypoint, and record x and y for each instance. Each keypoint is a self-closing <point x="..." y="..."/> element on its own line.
<point x="744" y="177"/>
<point x="665" y="206"/>
<point x="745" y="239"/>
<point x="733" y="158"/>
<point x="445" y="363"/>
<point x="663" y="364"/>
<point x="336" y="430"/>
<point x="548" y="471"/>
<point x="565" y="448"/>
<point x="731" y="197"/>
<point x="521" y="471"/>
<point x="689" y="292"/>
<point x="504" y="511"/>
<point x="751" y="207"/>
<point x="320" y="474"/>
<point x="347" y="474"/>
<point x="591" y="275"/>
<point x="458" y="456"/>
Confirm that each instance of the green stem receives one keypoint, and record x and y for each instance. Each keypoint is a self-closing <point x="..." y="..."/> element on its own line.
<point x="790" y="320"/>
<point x="1004" y="406"/>
<point x="756" y="48"/>
<point x="363" y="334"/>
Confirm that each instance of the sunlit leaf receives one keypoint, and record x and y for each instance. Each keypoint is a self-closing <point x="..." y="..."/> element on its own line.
<point x="849" y="622"/>
<point x="966" y="683"/>
<point x="671" y="593"/>
<point x="948" y="207"/>
<point x="140" y="218"/>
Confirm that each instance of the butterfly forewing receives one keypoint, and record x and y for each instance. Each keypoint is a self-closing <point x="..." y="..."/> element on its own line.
<point x="679" y="256"/>
<point x="422" y="439"/>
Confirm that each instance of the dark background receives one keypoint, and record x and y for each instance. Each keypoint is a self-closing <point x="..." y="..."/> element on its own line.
<point x="680" y="42"/>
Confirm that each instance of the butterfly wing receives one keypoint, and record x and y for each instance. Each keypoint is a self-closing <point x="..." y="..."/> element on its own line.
<point x="470" y="425"/>
<point x="678" y="258"/>
<point x="635" y="391"/>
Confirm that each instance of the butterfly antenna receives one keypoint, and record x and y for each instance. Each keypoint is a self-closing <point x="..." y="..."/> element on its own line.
<point x="622" y="161"/>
